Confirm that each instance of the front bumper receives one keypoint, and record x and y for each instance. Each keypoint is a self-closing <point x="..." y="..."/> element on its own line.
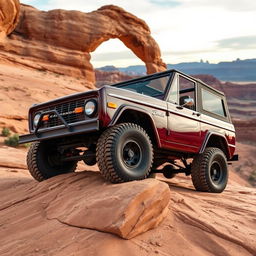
<point x="61" y="131"/>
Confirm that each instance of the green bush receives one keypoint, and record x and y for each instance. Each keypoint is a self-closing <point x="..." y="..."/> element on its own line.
<point x="26" y="145"/>
<point x="6" y="132"/>
<point x="252" y="178"/>
<point x="12" y="141"/>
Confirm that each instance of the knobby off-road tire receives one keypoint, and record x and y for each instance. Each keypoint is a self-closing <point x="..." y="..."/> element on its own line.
<point x="124" y="153"/>
<point x="41" y="165"/>
<point x="210" y="171"/>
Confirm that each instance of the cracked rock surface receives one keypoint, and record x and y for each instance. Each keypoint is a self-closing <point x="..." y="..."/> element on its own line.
<point x="85" y="200"/>
<point x="79" y="214"/>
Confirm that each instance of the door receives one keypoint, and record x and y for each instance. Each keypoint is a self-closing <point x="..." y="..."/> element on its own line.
<point x="184" y="133"/>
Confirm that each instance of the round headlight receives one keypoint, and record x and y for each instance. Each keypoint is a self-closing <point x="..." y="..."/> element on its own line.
<point x="90" y="108"/>
<point x="36" y="119"/>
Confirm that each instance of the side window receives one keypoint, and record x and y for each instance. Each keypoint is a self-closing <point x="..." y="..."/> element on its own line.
<point x="213" y="103"/>
<point x="173" y="98"/>
<point x="186" y="90"/>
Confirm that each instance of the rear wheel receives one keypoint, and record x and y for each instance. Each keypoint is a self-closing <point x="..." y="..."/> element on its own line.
<point x="125" y="153"/>
<point x="43" y="162"/>
<point x="210" y="171"/>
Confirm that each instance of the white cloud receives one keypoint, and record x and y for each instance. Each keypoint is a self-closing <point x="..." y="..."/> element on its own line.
<point x="230" y="5"/>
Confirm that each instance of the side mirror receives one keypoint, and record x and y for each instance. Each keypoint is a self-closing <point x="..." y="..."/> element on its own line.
<point x="189" y="102"/>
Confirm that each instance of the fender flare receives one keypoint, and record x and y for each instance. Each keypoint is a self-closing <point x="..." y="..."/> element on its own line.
<point x="123" y="108"/>
<point x="208" y="136"/>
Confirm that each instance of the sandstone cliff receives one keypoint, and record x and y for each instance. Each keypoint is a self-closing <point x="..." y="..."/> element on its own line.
<point x="61" y="41"/>
<point x="9" y="12"/>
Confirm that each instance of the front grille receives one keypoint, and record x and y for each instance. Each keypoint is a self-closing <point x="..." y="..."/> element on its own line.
<point x="66" y="110"/>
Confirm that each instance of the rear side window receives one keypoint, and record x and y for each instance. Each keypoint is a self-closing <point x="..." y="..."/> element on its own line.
<point x="213" y="103"/>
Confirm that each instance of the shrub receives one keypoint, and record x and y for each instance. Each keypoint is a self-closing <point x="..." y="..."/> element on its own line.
<point x="252" y="178"/>
<point x="26" y="145"/>
<point x="12" y="141"/>
<point x="6" y="132"/>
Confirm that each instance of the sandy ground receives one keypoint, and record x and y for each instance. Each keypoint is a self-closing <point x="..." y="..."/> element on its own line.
<point x="197" y="223"/>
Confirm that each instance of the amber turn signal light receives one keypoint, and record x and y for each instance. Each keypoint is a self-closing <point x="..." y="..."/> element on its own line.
<point x="79" y="110"/>
<point x="112" y="105"/>
<point x="45" y="118"/>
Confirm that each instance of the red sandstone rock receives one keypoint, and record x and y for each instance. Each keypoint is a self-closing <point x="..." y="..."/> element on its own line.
<point x="61" y="41"/>
<point x="86" y="201"/>
<point x="110" y="77"/>
<point x="126" y="210"/>
<point x="9" y="12"/>
<point x="199" y="224"/>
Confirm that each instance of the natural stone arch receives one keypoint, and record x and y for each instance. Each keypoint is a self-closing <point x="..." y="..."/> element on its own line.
<point x="117" y="51"/>
<point x="133" y="32"/>
<point x="72" y="35"/>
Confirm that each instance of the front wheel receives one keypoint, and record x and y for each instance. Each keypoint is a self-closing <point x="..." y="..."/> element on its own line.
<point x="210" y="171"/>
<point x="125" y="153"/>
<point x="43" y="162"/>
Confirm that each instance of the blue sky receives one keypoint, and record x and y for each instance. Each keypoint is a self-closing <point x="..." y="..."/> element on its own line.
<point x="186" y="30"/>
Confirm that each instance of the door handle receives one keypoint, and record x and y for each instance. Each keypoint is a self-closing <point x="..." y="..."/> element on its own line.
<point x="196" y="114"/>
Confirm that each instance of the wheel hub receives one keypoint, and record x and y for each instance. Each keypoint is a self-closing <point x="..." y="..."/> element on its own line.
<point x="132" y="154"/>
<point x="54" y="159"/>
<point x="216" y="172"/>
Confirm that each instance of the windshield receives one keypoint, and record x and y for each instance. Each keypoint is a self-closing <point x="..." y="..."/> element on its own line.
<point x="154" y="87"/>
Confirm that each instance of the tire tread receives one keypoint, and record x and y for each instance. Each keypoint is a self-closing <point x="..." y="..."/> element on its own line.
<point x="34" y="167"/>
<point x="32" y="162"/>
<point x="104" y="152"/>
<point x="199" y="165"/>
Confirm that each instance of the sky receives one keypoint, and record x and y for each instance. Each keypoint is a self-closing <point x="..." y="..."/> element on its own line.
<point x="186" y="30"/>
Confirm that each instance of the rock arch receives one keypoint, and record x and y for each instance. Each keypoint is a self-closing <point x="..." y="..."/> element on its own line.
<point x="67" y="38"/>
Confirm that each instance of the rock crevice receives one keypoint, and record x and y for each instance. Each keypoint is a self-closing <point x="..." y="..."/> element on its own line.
<point x="126" y="210"/>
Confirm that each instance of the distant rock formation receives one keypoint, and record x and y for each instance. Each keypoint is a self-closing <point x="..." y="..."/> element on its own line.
<point x="9" y="12"/>
<point x="61" y="41"/>
<point x="110" y="77"/>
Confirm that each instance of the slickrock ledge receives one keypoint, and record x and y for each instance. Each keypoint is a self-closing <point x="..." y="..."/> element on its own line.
<point x="85" y="200"/>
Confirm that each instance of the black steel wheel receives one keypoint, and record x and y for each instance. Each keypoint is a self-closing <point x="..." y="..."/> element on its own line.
<point x="43" y="162"/>
<point x="125" y="153"/>
<point x="210" y="171"/>
<point x="131" y="153"/>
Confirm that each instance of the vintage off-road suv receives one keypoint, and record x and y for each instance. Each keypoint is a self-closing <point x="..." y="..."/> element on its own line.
<point x="167" y="122"/>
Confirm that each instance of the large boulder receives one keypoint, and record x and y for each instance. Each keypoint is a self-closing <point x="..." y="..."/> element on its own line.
<point x="9" y="12"/>
<point x="126" y="210"/>
<point x="86" y="200"/>
<point x="61" y="41"/>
